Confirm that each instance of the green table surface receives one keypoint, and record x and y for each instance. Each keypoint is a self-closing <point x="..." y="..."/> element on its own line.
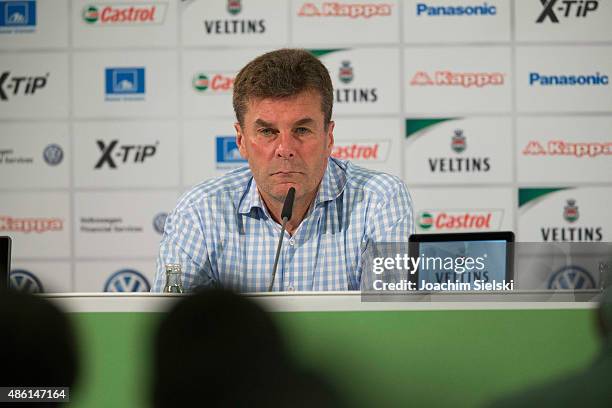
<point x="374" y="358"/>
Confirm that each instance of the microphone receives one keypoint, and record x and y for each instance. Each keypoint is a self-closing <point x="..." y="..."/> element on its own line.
<point x="285" y="216"/>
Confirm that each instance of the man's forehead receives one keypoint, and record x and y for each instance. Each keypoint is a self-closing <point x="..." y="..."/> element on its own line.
<point x="303" y="107"/>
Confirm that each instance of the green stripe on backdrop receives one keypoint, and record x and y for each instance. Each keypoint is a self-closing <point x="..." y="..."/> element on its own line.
<point x="424" y="358"/>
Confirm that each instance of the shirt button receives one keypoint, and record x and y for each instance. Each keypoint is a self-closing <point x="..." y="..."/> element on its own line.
<point x="292" y="242"/>
<point x="291" y="288"/>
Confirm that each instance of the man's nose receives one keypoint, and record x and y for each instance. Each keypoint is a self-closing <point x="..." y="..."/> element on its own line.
<point x="287" y="145"/>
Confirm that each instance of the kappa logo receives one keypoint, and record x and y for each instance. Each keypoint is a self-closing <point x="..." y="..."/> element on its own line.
<point x="463" y="79"/>
<point x="458" y="142"/>
<point x="353" y="11"/>
<point x="563" y="148"/>
<point x="159" y="221"/>
<point x="25" y="281"/>
<point x="553" y="9"/>
<point x="53" y="154"/>
<point x="127" y="280"/>
<point x="345" y="73"/>
<point x="113" y="153"/>
<point x="571" y="277"/>
<point x="17" y="16"/>
<point x="27" y="225"/>
<point x="570" y="211"/>
<point x="11" y="85"/>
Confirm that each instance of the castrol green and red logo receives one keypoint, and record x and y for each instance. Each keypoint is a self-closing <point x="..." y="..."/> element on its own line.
<point x="124" y="13"/>
<point x="458" y="220"/>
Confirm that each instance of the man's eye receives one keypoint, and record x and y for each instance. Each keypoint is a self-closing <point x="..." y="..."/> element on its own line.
<point x="266" y="131"/>
<point x="302" y="130"/>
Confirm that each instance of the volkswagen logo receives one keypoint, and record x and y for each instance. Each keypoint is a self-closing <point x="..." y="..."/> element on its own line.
<point x="571" y="277"/>
<point x="159" y="221"/>
<point x="127" y="280"/>
<point x="24" y="281"/>
<point x="53" y="154"/>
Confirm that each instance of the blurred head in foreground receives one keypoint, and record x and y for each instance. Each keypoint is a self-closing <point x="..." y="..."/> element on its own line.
<point x="37" y="344"/>
<point x="216" y="348"/>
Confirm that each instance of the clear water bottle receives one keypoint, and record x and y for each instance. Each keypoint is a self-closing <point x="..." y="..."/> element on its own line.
<point x="173" y="279"/>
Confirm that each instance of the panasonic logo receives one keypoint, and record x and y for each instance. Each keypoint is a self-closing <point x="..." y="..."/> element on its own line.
<point x="535" y="78"/>
<point x="483" y="10"/>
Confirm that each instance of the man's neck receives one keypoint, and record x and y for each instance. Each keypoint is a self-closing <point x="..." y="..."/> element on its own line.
<point x="300" y="208"/>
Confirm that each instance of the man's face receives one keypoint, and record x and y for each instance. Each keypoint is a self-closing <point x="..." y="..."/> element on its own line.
<point x="286" y="144"/>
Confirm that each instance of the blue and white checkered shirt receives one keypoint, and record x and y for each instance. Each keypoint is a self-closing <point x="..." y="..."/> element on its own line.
<point x="222" y="234"/>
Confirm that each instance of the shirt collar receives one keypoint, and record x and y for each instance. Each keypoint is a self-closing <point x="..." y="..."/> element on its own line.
<point x="332" y="185"/>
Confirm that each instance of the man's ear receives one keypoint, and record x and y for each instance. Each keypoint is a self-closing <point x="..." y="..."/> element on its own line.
<point x="240" y="141"/>
<point x="330" y="136"/>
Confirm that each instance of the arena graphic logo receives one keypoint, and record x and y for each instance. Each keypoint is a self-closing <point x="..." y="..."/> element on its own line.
<point x="234" y="26"/>
<point x="113" y="153"/>
<point x="553" y="9"/>
<point x="159" y="221"/>
<point x="125" y="83"/>
<point x="346" y="75"/>
<point x="228" y="155"/>
<point x="22" y="85"/>
<point x="218" y="83"/>
<point x="462" y="79"/>
<point x="127" y="280"/>
<point x="53" y="154"/>
<point x="25" y="281"/>
<point x="459" y="164"/>
<point x="571" y="277"/>
<point x="574" y="233"/>
<point x="17" y="16"/>
<point x="124" y="14"/>
<point x="457" y="220"/>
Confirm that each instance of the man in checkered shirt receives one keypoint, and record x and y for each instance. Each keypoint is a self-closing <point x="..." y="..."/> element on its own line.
<point x="224" y="231"/>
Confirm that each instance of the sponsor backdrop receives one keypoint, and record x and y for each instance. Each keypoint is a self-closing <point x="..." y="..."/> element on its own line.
<point x="497" y="114"/>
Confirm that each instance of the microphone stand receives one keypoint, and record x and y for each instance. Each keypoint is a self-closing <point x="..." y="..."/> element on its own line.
<point x="285" y="216"/>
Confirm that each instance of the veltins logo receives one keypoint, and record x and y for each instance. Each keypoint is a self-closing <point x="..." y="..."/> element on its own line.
<point x="348" y="10"/>
<point x="463" y="79"/>
<point x="127" y="280"/>
<point x="362" y="151"/>
<point x="53" y="154"/>
<point x="113" y="153"/>
<point x="571" y="277"/>
<point x="563" y="148"/>
<point x="596" y="79"/>
<point x="552" y="10"/>
<point x="423" y="9"/>
<point x="26" y="225"/>
<point x="457" y="220"/>
<point x="228" y="155"/>
<point x="345" y="73"/>
<point x="125" y="83"/>
<point x="570" y="211"/>
<point x="20" y="85"/>
<point x="159" y="221"/>
<point x="25" y="281"/>
<point x="458" y="142"/>
<point x="135" y="14"/>
<point x="459" y="165"/>
<point x="17" y="16"/>
<point x="234" y="7"/>
<point x="217" y="83"/>
<point x="234" y="26"/>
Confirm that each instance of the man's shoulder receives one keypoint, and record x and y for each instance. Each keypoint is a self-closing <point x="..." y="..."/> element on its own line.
<point x="230" y="186"/>
<point x="372" y="182"/>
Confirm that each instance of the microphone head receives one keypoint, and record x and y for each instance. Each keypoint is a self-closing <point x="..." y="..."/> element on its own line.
<point x="288" y="205"/>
